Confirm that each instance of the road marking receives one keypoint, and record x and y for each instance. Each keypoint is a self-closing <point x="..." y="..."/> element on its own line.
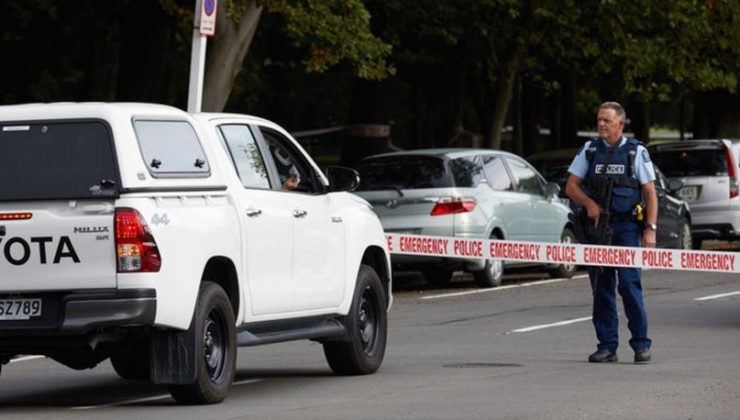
<point x="718" y="296"/>
<point x="153" y="398"/>
<point x="555" y="324"/>
<point x="25" y="358"/>
<point x="135" y="401"/>
<point x="494" y="289"/>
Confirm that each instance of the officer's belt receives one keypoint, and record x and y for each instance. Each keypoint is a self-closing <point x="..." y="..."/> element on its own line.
<point x="621" y="217"/>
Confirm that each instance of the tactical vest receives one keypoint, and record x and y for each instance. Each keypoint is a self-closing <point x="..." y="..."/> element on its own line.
<point x="620" y="167"/>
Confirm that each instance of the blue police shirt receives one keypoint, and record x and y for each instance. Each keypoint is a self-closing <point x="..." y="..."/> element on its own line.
<point x="644" y="171"/>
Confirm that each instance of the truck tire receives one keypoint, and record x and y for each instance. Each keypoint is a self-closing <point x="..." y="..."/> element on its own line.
<point x="133" y="366"/>
<point x="215" y="349"/>
<point x="362" y="351"/>
<point x="565" y="271"/>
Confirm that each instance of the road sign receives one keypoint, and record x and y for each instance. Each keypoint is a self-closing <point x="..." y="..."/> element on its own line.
<point x="208" y="17"/>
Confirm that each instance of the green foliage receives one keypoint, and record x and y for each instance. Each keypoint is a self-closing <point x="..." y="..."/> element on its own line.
<point x="662" y="45"/>
<point x="329" y="32"/>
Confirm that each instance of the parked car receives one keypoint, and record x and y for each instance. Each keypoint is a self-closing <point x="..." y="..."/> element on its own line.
<point x="471" y="193"/>
<point x="710" y="176"/>
<point x="674" y="215"/>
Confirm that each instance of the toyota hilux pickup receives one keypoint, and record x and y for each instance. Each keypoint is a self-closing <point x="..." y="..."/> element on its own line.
<point x="163" y="240"/>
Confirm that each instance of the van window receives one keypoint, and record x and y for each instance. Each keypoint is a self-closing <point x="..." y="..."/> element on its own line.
<point x="57" y="160"/>
<point x="171" y="149"/>
<point x="694" y="162"/>
<point x="467" y="171"/>
<point x="498" y="178"/>
<point x="526" y="178"/>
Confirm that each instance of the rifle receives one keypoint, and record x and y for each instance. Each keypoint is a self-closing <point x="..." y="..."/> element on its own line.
<point x="603" y="230"/>
<point x="584" y="228"/>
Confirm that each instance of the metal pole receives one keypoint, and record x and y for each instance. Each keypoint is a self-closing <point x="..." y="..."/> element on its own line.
<point x="197" y="63"/>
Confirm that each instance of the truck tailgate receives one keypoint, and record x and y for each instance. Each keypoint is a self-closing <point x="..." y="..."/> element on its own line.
<point x="57" y="245"/>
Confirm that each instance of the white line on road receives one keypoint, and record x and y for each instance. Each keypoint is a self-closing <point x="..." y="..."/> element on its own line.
<point x="25" y="358"/>
<point x="718" y="296"/>
<point x="555" y="324"/>
<point x="153" y="398"/>
<point x="494" y="289"/>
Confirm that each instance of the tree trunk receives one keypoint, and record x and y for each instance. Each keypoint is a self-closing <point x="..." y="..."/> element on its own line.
<point x="569" y="125"/>
<point x="226" y="54"/>
<point x="640" y="120"/>
<point x="530" y="120"/>
<point x="504" y="91"/>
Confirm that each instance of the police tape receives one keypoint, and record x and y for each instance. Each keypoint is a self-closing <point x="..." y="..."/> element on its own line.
<point x="563" y="253"/>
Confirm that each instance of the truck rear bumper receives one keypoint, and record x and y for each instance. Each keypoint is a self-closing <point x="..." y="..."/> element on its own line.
<point x="74" y="313"/>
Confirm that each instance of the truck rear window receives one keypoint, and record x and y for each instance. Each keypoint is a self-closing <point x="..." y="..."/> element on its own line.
<point x="57" y="160"/>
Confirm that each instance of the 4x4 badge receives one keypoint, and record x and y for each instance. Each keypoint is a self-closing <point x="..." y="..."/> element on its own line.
<point x="158" y="219"/>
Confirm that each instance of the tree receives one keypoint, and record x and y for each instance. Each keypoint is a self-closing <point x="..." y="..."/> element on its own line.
<point x="327" y="32"/>
<point x="665" y="48"/>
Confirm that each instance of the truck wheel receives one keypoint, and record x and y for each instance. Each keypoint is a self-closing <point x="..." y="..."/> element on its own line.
<point x="133" y="366"/>
<point x="565" y="271"/>
<point x="215" y="349"/>
<point x="366" y="323"/>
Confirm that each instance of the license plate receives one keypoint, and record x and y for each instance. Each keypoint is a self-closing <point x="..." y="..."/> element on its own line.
<point x="13" y="309"/>
<point x="689" y="193"/>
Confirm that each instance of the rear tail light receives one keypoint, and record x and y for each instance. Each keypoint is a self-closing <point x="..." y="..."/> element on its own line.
<point x="15" y="216"/>
<point x="732" y="172"/>
<point x="452" y="205"/>
<point x="135" y="246"/>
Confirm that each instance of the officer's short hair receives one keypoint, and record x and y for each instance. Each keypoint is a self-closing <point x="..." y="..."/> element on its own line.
<point x="617" y="107"/>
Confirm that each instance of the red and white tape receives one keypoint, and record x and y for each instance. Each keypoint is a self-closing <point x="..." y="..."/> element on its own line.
<point x="564" y="253"/>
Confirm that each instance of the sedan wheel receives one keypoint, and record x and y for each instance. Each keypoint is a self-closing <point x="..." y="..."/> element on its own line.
<point x="565" y="270"/>
<point x="492" y="274"/>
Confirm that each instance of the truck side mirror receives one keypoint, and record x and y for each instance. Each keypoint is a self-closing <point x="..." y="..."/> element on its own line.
<point x="342" y="178"/>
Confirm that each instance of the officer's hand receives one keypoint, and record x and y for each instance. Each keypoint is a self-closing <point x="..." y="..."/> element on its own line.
<point x="648" y="238"/>
<point x="593" y="211"/>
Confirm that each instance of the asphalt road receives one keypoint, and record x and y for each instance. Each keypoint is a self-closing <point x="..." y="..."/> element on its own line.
<point x="518" y="351"/>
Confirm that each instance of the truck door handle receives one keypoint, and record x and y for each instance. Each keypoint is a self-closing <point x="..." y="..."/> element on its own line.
<point x="299" y="213"/>
<point x="251" y="212"/>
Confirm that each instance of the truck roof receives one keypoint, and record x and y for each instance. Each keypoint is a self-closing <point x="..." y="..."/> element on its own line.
<point x="63" y="110"/>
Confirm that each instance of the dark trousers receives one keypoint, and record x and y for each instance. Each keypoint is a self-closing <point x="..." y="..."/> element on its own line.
<point x="626" y="280"/>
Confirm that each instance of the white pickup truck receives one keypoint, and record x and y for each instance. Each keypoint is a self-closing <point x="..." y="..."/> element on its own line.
<point x="163" y="240"/>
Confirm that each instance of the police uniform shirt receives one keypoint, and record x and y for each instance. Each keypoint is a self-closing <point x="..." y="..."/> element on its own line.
<point x="643" y="168"/>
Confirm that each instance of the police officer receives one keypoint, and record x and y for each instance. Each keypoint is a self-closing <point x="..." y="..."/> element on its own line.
<point x="626" y="163"/>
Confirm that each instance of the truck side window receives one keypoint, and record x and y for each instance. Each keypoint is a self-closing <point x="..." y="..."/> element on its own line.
<point x="245" y="155"/>
<point x="171" y="149"/>
<point x="295" y="173"/>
